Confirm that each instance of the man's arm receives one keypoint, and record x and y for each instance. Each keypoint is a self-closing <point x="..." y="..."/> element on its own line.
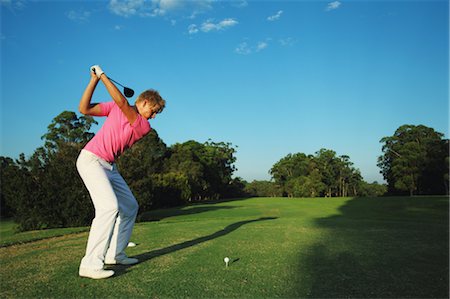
<point x="129" y="112"/>
<point x="85" y="105"/>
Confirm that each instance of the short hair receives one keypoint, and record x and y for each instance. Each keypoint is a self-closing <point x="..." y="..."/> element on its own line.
<point x="153" y="97"/>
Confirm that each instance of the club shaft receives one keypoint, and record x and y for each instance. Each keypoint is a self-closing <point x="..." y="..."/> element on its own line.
<point x="115" y="81"/>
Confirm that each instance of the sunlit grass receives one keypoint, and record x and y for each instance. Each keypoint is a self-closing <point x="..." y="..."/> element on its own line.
<point x="278" y="247"/>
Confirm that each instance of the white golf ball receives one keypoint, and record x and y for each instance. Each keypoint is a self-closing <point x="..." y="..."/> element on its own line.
<point x="226" y="260"/>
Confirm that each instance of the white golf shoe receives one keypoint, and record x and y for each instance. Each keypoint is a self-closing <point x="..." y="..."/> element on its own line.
<point x="95" y="273"/>
<point x="125" y="261"/>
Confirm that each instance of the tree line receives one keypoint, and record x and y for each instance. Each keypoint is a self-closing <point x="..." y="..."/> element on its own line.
<point x="321" y="175"/>
<point x="45" y="190"/>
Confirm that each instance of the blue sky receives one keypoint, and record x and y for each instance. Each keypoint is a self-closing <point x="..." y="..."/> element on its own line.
<point x="271" y="77"/>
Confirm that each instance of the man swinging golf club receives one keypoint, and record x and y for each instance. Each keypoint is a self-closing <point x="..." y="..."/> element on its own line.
<point x="115" y="206"/>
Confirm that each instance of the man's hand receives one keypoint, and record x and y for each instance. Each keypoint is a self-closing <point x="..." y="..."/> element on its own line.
<point x="96" y="69"/>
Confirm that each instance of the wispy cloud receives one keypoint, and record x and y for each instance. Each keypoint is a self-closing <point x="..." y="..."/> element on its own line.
<point x="210" y="25"/>
<point x="261" y="46"/>
<point x="192" y="29"/>
<point x="14" y="4"/>
<point x="275" y="16"/>
<point x="155" y="8"/>
<point x="127" y="8"/>
<point x="79" y="16"/>
<point x="287" y="42"/>
<point x="333" y="5"/>
<point x="245" y="48"/>
<point x="239" y="4"/>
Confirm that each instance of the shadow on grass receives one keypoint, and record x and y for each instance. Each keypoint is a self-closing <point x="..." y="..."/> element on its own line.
<point x="120" y="270"/>
<point x="158" y="215"/>
<point x="379" y="248"/>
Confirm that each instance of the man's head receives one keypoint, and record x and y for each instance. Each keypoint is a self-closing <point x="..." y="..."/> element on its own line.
<point x="149" y="103"/>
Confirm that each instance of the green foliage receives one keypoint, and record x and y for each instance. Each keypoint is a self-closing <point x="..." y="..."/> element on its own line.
<point x="262" y="189"/>
<point x="45" y="191"/>
<point x="171" y="189"/>
<point x="12" y="186"/>
<point x="138" y="164"/>
<point x="415" y="160"/>
<point x="324" y="174"/>
<point x="68" y="129"/>
<point x="207" y="166"/>
<point x="372" y="189"/>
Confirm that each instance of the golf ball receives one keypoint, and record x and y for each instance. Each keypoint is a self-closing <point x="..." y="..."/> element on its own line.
<point x="226" y="260"/>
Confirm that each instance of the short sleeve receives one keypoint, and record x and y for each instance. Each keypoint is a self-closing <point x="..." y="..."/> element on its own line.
<point x="106" y="108"/>
<point x="141" y="126"/>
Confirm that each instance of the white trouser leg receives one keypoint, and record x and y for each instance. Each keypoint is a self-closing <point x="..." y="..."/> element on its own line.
<point x="128" y="208"/>
<point x="105" y="186"/>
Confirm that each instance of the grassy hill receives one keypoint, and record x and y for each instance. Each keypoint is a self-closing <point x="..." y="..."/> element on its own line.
<point x="278" y="247"/>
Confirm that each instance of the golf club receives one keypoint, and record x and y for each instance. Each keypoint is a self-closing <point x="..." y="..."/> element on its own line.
<point x="128" y="92"/>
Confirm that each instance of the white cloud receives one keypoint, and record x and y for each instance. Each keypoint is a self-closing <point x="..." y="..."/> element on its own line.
<point x="126" y="8"/>
<point x="333" y="5"/>
<point x="163" y="7"/>
<point x="79" y="16"/>
<point x="155" y="8"/>
<point x="261" y="46"/>
<point x="275" y="16"/>
<point x="222" y="25"/>
<point x="245" y="49"/>
<point x="192" y="29"/>
<point x="209" y="25"/>
<point x="14" y="4"/>
<point x="288" y="41"/>
<point x="239" y="4"/>
<point x="169" y="4"/>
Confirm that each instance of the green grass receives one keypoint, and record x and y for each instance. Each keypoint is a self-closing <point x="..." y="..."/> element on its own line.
<point x="9" y="234"/>
<point x="341" y="247"/>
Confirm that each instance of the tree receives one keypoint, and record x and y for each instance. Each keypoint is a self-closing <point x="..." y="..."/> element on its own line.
<point x="67" y="129"/>
<point x="45" y="191"/>
<point x="185" y="159"/>
<point x="328" y="165"/>
<point x="139" y="164"/>
<point x="372" y="189"/>
<point x="208" y="167"/>
<point x="413" y="161"/>
<point x="291" y="166"/>
<point x="11" y="186"/>
<point x="51" y="193"/>
<point x="324" y="174"/>
<point x="262" y="189"/>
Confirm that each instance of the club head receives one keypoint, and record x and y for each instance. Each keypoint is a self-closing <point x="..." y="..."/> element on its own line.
<point x="128" y="92"/>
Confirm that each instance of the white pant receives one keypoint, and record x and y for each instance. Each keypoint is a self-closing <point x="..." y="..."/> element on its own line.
<point x="115" y="211"/>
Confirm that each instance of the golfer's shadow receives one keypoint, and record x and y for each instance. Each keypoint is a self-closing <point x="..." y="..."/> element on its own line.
<point x="120" y="270"/>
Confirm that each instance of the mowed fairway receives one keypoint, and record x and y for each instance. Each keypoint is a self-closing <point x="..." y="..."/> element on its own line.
<point x="278" y="247"/>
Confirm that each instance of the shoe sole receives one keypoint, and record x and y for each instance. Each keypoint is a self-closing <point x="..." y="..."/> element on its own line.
<point x="96" y="277"/>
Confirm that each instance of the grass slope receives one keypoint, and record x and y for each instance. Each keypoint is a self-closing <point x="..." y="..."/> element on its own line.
<point x="340" y="247"/>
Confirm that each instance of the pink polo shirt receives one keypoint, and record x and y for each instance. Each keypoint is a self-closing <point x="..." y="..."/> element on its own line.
<point x="116" y="134"/>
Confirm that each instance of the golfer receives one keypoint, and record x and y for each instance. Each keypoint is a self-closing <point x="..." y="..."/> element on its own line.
<point x="115" y="206"/>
